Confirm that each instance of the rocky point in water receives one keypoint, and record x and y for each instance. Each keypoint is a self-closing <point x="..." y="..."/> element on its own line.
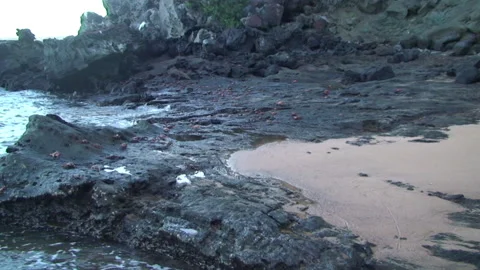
<point x="308" y="70"/>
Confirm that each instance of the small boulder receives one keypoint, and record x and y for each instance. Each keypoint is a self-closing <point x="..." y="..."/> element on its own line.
<point x="272" y="14"/>
<point x="371" y="74"/>
<point x="238" y="71"/>
<point x="234" y="38"/>
<point x="463" y="46"/>
<point x="203" y="34"/>
<point x="272" y="70"/>
<point x="395" y="59"/>
<point x="441" y="38"/>
<point x="211" y="46"/>
<point x="283" y="59"/>
<point x="350" y="77"/>
<point x="253" y="21"/>
<point x="451" y="72"/>
<point x="312" y="224"/>
<point x="11" y="149"/>
<point x="467" y="75"/>
<point x="320" y="24"/>
<point x="264" y="14"/>
<point x="264" y="45"/>
<point x="477" y="64"/>
<point x="372" y="6"/>
<point x="378" y="74"/>
<point x="411" y="55"/>
<point x="404" y="56"/>
<point x="410" y="42"/>
<point x="384" y="50"/>
<point x="313" y="42"/>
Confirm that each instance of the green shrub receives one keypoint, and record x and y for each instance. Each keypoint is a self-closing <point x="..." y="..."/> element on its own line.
<point x="227" y="12"/>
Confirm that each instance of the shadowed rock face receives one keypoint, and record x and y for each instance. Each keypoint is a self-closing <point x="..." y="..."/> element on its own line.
<point x="157" y="19"/>
<point x="21" y="63"/>
<point x="91" y="59"/>
<point x="277" y="34"/>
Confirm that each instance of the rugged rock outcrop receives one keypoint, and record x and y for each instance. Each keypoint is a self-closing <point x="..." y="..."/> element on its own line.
<point x="21" y="63"/>
<point x="157" y="19"/>
<point x="276" y="33"/>
<point x="91" y="22"/>
<point x="432" y="24"/>
<point x="92" y="59"/>
<point x="89" y="181"/>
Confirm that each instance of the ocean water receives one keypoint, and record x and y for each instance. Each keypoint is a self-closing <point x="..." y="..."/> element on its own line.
<point x="16" y="107"/>
<point x="45" y="250"/>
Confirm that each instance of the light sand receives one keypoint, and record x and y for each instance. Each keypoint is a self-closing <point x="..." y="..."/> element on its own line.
<point x="382" y="213"/>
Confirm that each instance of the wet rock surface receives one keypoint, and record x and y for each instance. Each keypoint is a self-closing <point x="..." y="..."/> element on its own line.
<point x="213" y="219"/>
<point x="142" y="199"/>
<point x="286" y="75"/>
<point x="21" y="63"/>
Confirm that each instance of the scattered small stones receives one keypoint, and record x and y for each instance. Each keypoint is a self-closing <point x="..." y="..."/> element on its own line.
<point x="401" y="184"/>
<point x="449" y="197"/>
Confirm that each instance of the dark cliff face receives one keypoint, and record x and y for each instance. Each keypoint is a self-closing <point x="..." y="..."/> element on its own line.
<point x="21" y="65"/>
<point x="92" y="59"/>
<point x="274" y="33"/>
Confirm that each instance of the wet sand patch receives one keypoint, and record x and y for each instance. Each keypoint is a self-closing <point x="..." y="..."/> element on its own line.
<point x="383" y="189"/>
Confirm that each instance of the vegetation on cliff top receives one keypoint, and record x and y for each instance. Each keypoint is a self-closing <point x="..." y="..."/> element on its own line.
<point x="226" y="12"/>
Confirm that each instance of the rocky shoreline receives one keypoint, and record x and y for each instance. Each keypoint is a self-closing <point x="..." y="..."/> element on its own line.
<point x="228" y="90"/>
<point x="109" y="50"/>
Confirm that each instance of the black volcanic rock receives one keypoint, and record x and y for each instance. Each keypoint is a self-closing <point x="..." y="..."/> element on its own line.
<point x="21" y="63"/>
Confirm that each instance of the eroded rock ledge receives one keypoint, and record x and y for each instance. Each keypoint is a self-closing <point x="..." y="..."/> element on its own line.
<point x="220" y="220"/>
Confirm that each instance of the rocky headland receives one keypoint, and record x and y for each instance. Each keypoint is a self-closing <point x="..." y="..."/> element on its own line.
<point x="263" y="71"/>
